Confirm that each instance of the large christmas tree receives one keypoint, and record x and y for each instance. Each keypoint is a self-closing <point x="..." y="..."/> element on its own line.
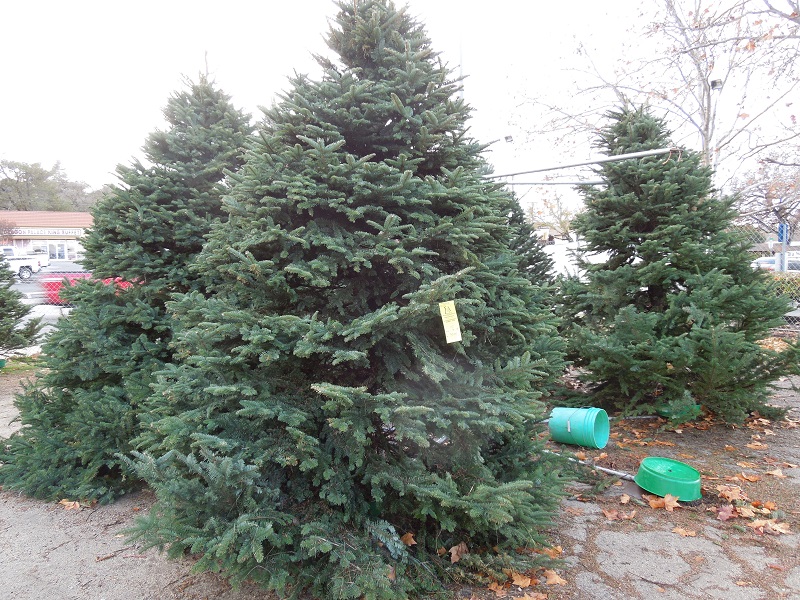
<point x="317" y="421"/>
<point x="89" y="403"/>
<point x="668" y="312"/>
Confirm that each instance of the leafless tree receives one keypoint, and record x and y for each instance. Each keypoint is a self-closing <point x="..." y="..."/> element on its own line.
<point x="770" y="196"/>
<point x="722" y="72"/>
<point x="550" y="211"/>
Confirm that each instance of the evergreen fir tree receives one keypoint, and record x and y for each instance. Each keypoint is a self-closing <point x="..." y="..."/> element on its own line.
<point x="88" y="405"/>
<point x="314" y="413"/>
<point x="16" y="330"/>
<point x="535" y="262"/>
<point x="669" y="312"/>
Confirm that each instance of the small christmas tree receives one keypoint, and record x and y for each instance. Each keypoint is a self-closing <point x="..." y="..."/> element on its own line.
<point x="17" y="331"/>
<point x="88" y="405"/>
<point x="669" y="312"/>
<point x="320" y="433"/>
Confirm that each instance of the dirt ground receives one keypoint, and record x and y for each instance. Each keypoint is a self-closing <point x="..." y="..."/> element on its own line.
<point x="741" y="540"/>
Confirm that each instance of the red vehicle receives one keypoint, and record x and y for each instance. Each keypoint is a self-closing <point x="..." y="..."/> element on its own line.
<point x="53" y="282"/>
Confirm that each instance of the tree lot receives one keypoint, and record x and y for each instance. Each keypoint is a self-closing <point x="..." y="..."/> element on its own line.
<point x="278" y="371"/>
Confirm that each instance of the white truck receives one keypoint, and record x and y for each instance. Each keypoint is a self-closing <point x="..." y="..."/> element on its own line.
<point x="42" y="255"/>
<point x="23" y="266"/>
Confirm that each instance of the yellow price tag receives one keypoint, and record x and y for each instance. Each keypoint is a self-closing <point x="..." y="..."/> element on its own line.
<point x="452" y="330"/>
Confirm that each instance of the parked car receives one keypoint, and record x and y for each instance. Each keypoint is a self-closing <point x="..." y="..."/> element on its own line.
<point x="770" y="263"/>
<point x="52" y="284"/>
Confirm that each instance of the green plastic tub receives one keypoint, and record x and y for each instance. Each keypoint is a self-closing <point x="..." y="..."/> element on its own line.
<point x="579" y="426"/>
<point x="662" y="476"/>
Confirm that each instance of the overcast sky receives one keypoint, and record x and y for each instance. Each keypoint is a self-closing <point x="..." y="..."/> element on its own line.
<point x="85" y="81"/>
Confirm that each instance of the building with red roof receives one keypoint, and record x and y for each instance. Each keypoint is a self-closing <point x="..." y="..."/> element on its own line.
<point x="56" y="233"/>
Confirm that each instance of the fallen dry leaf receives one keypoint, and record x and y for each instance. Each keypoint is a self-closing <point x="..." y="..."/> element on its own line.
<point x="456" y="552"/>
<point x="408" y="539"/>
<point x="747" y="465"/>
<point x="731" y="492"/>
<point x="392" y="575"/>
<point x="770" y="526"/>
<point x="668" y="502"/>
<point x="757" y="446"/>
<point x="520" y="580"/>
<point x="553" y="552"/>
<point x="776" y="473"/>
<point x="616" y="515"/>
<point x="497" y="589"/>
<point x="779" y="463"/>
<point x="750" y="478"/>
<point x="726" y="512"/>
<point x="758" y="525"/>
<point x="580" y="455"/>
<point x="684" y="532"/>
<point x="730" y="448"/>
<point x="70" y="504"/>
<point x="744" y="583"/>
<point x="778" y="528"/>
<point x="624" y="499"/>
<point x="745" y="512"/>
<point x="552" y="578"/>
<point x="535" y="596"/>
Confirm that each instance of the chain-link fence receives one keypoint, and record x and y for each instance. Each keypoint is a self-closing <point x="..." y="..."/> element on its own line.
<point x="42" y="291"/>
<point x="781" y="259"/>
<point x="45" y="286"/>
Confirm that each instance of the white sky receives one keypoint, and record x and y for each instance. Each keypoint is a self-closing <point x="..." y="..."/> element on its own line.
<point x="85" y="81"/>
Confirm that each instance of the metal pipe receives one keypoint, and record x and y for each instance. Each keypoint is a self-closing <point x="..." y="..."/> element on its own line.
<point x="596" y="161"/>
<point x="556" y="182"/>
<point x="620" y="474"/>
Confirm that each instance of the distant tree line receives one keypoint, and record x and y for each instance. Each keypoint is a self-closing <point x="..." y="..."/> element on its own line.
<point x="26" y="186"/>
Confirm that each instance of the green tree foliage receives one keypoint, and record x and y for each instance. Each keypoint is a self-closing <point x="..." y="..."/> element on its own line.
<point x="147" y="232"/>
<point x="26" y="186"/>
<point x="314" y="412"/>
<point x="669" y="311"/>
<point x="16" y="330"/>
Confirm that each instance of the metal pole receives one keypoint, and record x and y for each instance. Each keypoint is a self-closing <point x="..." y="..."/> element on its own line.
<point x="606" y="159"/>
<point x="556" y="183"/>
<point x="784" y="262"/>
